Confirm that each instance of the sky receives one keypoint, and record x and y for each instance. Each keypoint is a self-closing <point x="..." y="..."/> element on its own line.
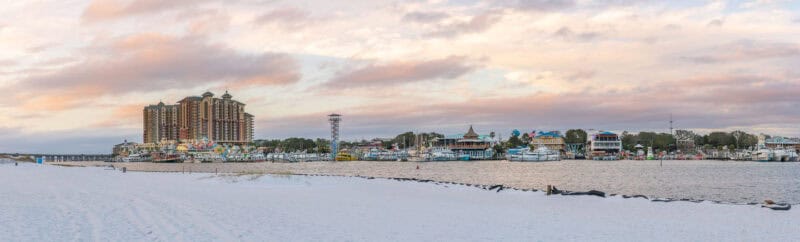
<point x="77" y="74"/>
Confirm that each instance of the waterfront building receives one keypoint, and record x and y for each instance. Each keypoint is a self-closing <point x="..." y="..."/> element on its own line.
<point x="605" y="145"/>
<point x="160" y="122"/>
<point x="468" y="146"/>
<point x="780" y="142"/>
<point x="221" y="120"/>
<point x="552" y="140"/>
<point x="123" y="149"/>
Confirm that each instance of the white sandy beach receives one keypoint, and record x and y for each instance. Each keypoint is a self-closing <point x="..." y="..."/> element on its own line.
<point x="49" y="203"/>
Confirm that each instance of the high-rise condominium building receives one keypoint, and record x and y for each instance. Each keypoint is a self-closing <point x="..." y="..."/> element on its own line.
<point x="222" y="120"/>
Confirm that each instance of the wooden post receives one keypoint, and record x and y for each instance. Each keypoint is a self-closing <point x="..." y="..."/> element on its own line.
<point x="549" y="190"/>
<point x="124" y="169"/>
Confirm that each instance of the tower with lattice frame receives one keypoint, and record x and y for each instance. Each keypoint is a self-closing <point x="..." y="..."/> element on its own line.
<point x="334" y="119"/>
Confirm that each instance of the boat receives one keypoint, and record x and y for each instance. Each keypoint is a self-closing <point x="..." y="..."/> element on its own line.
<point x="542" y="153"/>
<point x="762" y="154"/>
<point x="440" y="154"/>
<point x="779" y="154"/>
<point x="783" y="155"/>
<point x="159" y="157"/>
<point x="791" y="155"/>
<point x="132" y="158"/>
<point x="345" y="156"/>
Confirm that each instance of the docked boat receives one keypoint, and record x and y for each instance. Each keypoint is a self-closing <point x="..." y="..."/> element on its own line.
<point x="540" y="154"/>
<point x="791" y="155"/>
<point x="385" y="155"/>
<point x="159" y="157"/>
<point x="763" y="154"/>
<point x="345" y="156"/>
<point x="779" y="154"/>
<point x="440" y="154"/>
<point x="784" y="155"/>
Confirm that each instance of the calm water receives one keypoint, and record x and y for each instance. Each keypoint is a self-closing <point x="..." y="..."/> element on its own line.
<point x="728" y="181"/>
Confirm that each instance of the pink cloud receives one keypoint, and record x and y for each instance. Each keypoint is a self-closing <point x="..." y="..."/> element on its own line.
<point x="99" y="10"/>
<point x="144" y="62"/>
<point x="403" y="72"/>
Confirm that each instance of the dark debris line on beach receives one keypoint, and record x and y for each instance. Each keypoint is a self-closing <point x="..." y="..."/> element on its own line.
<point x="499" y="187"/>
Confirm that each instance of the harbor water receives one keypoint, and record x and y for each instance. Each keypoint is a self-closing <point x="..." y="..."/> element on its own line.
<point x="725" y="181"/>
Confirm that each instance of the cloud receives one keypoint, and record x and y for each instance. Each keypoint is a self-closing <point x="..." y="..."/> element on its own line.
<point x="146" y="62"/>
<point x="581" y="75"/>
<point x="746" y="50"/>
<point x="396" y="73"/>
<point x="706" y="102"/>
<point x="716" y="23"/>
<point x="476" y="24"/>
<point x="567" y="34"/>
<point x="8" y="62"/>
<point x="122" y="115"/>
<point x="112" y="9"/>
<point x="425" y="16"/>
<point x="288" y="18"/>
<point x="536" y="5"/>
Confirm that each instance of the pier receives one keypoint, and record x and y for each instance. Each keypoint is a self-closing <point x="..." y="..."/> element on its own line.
<point x="64" y="157"/>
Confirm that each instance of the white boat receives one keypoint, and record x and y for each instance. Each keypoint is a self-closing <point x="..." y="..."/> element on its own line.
<point x="784" y="154"/>
<point x="763" y="154"/>
<point x="791" y="155"/>
<point x="132" y="158"/>
<point x="441" y="154"/>
<point x="540" y="154"/>
<point x="779" y="154"/>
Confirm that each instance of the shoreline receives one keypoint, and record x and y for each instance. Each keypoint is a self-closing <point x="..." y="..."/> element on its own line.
<point x="344" y="169"/>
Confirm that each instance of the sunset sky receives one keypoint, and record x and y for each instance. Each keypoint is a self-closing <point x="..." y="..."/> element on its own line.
<point x="76" y="74"/>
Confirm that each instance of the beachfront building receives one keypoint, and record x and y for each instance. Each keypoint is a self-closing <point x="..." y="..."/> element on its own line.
<point x="160" y="122"/>
<point x="604" y="146"/>
<point x="470" y="145"/>
<point x="552" y="140"/>
<point x="780" y="142"/>
<point x="123" y="149"/>
<point x="221" y="120"/>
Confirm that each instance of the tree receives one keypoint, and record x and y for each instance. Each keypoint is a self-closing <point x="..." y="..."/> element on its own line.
<point x="743" y="139"/>
<point x="404" y="140"/>
<point x="526" y="138"/>
<point x="719" y="139"/>
<point x="323" y="145"/>
<point x="659" y="141"/>
<point x="687" y="140"/>
<point x="575" y="136"/>
<point x="498" y="150"/>
<point x="514" y="142"/>
<point x="629" y="141"/>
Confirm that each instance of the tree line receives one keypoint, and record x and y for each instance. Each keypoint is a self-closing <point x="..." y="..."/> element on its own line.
<point x="294" y="144"/>
<point x="683" y="139"/>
